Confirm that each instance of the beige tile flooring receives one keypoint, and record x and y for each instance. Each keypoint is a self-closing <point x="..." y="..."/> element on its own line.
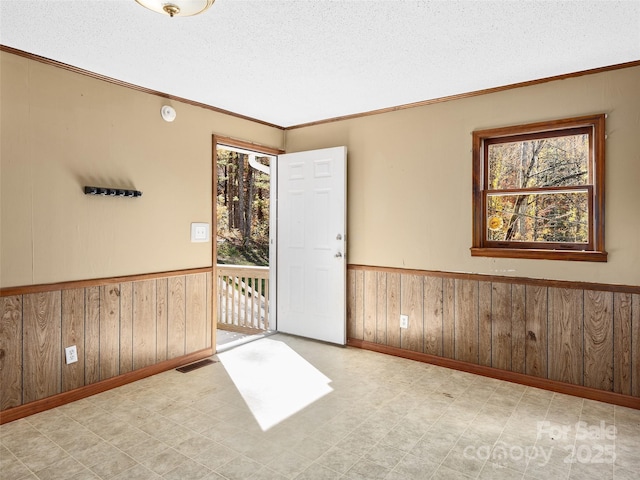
<point x="227" y="339"/>
<point x="386" y="418"/>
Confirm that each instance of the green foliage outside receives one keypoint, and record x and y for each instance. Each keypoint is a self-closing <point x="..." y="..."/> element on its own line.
<point x="242" y="210"/>
<point x="231" y="252"/>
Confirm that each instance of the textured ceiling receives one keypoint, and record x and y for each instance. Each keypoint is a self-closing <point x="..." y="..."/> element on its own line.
<point x="289" y="62"/>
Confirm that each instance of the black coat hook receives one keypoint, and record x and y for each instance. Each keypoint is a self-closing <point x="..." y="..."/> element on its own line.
<point x="111" y="192"/>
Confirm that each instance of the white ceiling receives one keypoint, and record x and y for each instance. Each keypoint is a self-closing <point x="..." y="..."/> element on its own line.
<point x="289" y="62"/>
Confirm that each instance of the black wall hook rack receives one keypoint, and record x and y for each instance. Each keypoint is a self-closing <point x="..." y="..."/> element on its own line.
<point x="112" y="192"/>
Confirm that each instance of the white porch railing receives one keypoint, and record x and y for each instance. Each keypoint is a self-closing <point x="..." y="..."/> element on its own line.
<point x="243" y="297"/>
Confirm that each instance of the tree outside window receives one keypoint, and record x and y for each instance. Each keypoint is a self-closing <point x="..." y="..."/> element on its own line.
<point x="243" y="207"/>
<point x="539" y="190"/>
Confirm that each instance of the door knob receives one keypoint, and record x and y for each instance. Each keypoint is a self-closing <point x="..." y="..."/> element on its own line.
<point x="338" y="255"/>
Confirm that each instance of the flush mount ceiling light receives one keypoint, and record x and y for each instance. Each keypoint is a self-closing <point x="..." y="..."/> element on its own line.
<point x="177" y="8"/>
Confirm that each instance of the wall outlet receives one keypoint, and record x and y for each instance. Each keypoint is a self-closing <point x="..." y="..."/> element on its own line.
<point x="71" y="354"/>
<point x="404" y="321"/>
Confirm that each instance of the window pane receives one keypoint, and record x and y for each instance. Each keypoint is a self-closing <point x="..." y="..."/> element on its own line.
<point x="539" y="217"/>
<point x="547" y="162"/>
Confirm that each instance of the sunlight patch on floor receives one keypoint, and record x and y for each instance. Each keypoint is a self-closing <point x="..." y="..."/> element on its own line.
<point x="226" y="340"/>
<point x="274" y="381"/>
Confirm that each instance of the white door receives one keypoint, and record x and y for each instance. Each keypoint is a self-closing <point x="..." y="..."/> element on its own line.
<point x="311" y="261"/>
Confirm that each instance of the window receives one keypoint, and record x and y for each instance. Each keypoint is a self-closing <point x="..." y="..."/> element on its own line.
<point x="538" y="190"/>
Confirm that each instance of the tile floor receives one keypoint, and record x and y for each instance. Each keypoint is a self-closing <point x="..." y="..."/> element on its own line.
<point x="386" y="418"/>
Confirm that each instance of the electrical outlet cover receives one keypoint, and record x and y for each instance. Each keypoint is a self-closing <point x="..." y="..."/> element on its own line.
<point x="404" y="321"/>
<point x="71" y="354"/>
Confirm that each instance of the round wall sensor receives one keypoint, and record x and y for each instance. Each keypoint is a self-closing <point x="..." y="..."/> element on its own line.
<point x="168" y="113"/>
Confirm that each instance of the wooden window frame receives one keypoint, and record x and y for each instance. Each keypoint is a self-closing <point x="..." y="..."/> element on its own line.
<point x="594" y="250"/>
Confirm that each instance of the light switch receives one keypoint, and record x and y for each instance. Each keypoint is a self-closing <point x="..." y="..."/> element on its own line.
<point x="200" y="232"/>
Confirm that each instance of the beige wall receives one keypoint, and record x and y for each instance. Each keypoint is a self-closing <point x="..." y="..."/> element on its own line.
<point x="409" y="177"/>
<point x="60" y="131"/>
<point x="409" y="199"/>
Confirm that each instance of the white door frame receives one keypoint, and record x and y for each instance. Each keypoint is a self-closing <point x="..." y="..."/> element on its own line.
<point x="273" y="247"/>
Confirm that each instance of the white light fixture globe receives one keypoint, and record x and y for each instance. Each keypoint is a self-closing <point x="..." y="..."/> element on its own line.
<point x="177" y="8"/>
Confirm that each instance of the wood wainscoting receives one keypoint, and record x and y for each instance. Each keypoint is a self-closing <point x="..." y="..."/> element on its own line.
<point x="548" y="334"/>
<point x="120" y="326"/>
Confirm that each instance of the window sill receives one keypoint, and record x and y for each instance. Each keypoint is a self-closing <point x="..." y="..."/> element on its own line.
<point x="540" y="254"/>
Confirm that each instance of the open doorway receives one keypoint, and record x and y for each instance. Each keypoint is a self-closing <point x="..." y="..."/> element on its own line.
<point x="244" y="249"/>
<point x="311" y="242"/>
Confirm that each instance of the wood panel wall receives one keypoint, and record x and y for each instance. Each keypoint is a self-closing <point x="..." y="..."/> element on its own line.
<point x="116" y="327"/>
<point x="562" y="331"/>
